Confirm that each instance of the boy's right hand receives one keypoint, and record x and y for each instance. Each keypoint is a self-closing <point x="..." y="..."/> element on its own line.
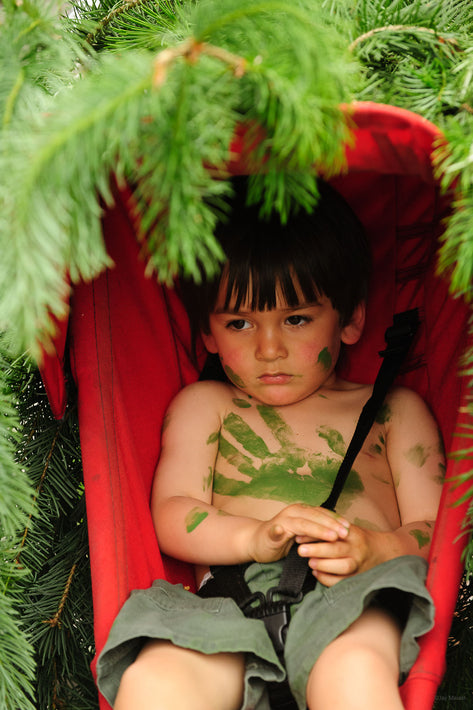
<point x="300" y="523"/>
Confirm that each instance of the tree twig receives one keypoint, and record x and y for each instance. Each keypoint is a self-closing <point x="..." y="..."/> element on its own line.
<point x="117" y="10"/>
<point x="191" y="50"/>
<point x="399" y="28"/>
<point x="56" y="619"/>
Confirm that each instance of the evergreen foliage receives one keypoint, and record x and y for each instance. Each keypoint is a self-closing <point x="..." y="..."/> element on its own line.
<point x="45" y="601"/>
<point x="152" y="91"/>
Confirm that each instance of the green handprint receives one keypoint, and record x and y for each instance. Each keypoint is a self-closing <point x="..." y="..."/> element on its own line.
<point x="292" y="474"/>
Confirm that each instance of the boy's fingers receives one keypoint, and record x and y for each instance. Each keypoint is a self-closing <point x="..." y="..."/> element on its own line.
<point x="313" y="523"/>
<point x="324" y="550"/>
<point x="340" y="567"/>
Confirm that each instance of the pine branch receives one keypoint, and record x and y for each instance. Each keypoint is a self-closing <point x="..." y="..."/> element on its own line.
<point x="256" y="63"/>
<point x="56" y="604"/>
<point x="17" y="667"/>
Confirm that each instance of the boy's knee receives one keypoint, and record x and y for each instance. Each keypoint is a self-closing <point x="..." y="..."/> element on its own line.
<point x="366" y="655"/>
<point x="164" y="676"/>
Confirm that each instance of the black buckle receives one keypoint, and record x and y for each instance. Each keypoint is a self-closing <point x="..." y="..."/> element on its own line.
<point x="276" y="621"/>
<point x="276" y="613"/>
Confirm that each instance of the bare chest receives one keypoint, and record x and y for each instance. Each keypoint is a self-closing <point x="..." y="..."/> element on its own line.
<point x="268" y="458"/>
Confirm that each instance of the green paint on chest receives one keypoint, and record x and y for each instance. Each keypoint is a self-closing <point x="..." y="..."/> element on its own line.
<point x="240" y="430"/>
<point x="194" y="518"/>
<point x="325" y="359"/>
<point x="213" y="437"/>
<point x="334" y="439"/>
<point x="290" y="474"/>
<point x="241" y="403"/>
<point x="207" y="482"/>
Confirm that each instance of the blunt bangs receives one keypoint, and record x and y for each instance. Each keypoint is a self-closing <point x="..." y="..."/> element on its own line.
<point x="256" y="285"/>
<point x="324" y="253"/>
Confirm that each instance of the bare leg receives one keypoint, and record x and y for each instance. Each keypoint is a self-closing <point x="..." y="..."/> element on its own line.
<point x="166" y="677"/>
<point x="360" y="669"/>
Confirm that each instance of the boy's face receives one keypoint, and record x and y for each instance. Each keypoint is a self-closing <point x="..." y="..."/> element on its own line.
<point x="283" y="355"/>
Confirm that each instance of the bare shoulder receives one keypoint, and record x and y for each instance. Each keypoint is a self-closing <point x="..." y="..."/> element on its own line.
<point x="404" y="403"/>
<point x="202" y="392"/>
<point x="409" y="422"/>
<point x="200" y="401"/>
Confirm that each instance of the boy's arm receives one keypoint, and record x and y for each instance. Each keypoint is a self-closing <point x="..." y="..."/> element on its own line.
<point x="188" y="526"/>
<point x="415" y="455"/>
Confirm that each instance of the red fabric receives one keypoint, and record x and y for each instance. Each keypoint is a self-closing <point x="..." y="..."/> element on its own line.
<point x="129" y="346"/>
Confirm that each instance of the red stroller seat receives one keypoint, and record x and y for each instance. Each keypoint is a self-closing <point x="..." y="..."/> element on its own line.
<point x="129" y="348"/>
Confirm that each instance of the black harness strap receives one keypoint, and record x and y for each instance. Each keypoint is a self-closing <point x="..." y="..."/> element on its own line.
<point x="295" y="580"/>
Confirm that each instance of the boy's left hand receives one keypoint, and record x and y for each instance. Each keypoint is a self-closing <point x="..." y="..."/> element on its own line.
<point x="333" y="561"/>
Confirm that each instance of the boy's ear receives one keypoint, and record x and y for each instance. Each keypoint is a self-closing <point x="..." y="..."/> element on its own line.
<point x="351" y="333"/>
<point x="209" y="342"/>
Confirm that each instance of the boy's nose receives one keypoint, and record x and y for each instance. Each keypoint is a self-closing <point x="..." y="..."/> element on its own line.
<point x="270" y="346"/>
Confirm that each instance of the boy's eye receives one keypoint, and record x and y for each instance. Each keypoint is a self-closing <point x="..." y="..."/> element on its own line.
<point x="297" y="320"/>
<point x="238" y="324"/>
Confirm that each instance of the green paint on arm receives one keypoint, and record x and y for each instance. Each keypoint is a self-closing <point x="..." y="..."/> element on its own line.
<point x="376" y="449"/>
<point x="240" y="430"/>
<point x="384" y="414"/>
<point x="417" y="455"/>
<point x="422" y="537"/>
<point x="333" y="438"/>
<point x="234" y="378"/>
<point x="442" y="471"/>
<point x="194" y="518"/>
<point x="325" y="359"/>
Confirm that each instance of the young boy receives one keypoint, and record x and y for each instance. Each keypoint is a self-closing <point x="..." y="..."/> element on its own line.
<point x="244" y="469"/>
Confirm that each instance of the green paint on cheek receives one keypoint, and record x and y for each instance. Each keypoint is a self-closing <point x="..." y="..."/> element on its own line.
<point x="325" y="359"/>
<point x="417" y="455"/>
<point x="194" y="518"/>
<point x="422" y="537"/>
<point x="334" y="439"/>
<point x="242" y="403"/>
<point x="233" y="377"/>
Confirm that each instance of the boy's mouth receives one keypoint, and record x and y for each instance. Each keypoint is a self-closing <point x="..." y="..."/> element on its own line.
<point x="276" y="378"/>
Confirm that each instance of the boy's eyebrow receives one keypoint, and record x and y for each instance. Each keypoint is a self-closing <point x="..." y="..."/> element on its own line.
<point x="243" y="311"/>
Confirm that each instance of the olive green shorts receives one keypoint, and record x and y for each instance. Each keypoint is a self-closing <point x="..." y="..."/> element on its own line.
<point x="217" y="625"/>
